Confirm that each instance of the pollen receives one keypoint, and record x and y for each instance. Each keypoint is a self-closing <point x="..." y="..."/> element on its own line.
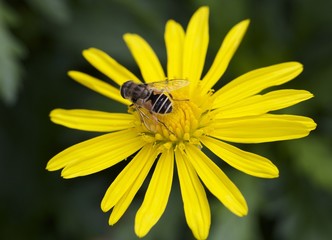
<point x="185" y="124"/>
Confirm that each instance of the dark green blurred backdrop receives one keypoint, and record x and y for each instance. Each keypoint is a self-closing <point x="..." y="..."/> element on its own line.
<point x="40" y="40"/>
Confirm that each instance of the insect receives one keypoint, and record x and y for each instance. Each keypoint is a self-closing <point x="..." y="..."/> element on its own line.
<point x="153" y="97"/>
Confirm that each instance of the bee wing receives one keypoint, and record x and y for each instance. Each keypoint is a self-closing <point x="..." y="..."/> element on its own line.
<point x="147" y="118"/>
<point x="168" y="85"/>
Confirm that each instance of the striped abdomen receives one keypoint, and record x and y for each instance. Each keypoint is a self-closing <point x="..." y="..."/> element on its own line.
<point x="160" y="103"/>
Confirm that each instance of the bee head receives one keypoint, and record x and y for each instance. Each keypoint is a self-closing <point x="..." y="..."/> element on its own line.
<point x="125" y="88"/>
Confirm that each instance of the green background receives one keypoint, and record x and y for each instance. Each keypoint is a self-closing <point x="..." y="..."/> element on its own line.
<point x="41" y="40"/>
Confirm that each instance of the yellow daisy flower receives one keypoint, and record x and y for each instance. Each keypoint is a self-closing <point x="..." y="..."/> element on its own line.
<point x="200" y="118"/>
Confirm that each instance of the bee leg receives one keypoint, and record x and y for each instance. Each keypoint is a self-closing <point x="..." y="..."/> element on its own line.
<point x="131" y="108"/>
<point x="144" y="116"/>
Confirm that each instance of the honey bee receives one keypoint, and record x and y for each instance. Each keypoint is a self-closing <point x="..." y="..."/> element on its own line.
<point x="153" y="97"/>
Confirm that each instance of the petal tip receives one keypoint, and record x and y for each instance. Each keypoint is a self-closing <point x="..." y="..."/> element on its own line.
<point x="203" y="8"/>
<point x="49" y="167"/>
<point x="274" y="173"/>
<point x="87" y="52"/>
<point x="245" y="23"/>
<point x="56" y="114"/>
<point x="202" y="12"/>
<point x="72" y="74"/>
<point x="296" y="65"/>
<point x="104" y="208"/>
<point x="111" y="222"/>
<point x="140" y="231"/>
<point x="128" y="36"/>
<point x="312" y="125"/>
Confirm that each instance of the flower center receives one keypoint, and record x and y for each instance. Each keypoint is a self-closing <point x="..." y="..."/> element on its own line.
<point x="187" y="122"/>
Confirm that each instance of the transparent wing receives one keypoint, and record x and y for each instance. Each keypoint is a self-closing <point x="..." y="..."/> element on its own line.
<point x="168" y="85"/>
<point x="148" y="119"/>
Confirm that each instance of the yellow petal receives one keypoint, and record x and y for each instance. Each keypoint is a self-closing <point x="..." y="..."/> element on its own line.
<point x="108" y="157"/>
<point x="247" y="162"/>
<point x="263" y="128"/>
<point x="156" y="196"/>
<point x="174" y="39"/>
<point x="107" y="65"/>
<point x="98" y="86"/>
<point x="145" y="58"/>
<point x="196" y="205"/>
<point x="122" y="205"/>
<point x="260" y="104"/>
<point x="255" y="81"/>
<point x="91" y="120"/>
<point x="216" y="181"/>
<point x="136" y="170"/>
<point x="195" y="46"/>
<point x="224" y="55"/>
<point x="96" y="154"/>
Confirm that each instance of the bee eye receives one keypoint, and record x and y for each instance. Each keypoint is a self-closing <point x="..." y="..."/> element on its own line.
<point x="124" y="88"/>
<point x="122" y="91"/>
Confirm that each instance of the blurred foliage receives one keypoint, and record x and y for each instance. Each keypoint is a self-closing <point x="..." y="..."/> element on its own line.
<point x="41" y="40"/>
<point x="10" y="53"/>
